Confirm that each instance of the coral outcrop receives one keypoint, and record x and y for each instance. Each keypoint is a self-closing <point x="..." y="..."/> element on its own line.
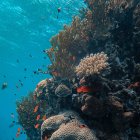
<point x="67" y="125"/>
<point x="104" y="101"/>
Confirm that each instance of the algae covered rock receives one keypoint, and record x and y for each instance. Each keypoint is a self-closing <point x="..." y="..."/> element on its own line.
<point x="93" y="107"/>
<point x="62" y="91"/>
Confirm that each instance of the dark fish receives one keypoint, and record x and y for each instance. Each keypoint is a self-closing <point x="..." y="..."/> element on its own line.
<point x="17" y="60"/>
<point x="4" y="85"/>
<point x="25" y="69"/>
<point x="11" y="125"/>
<point x="30" y="55"/>
<point x="39" y="69"/>
<point x="35" y="72"/>
<point x="59" y="9"/>
<point x="44" y="51"/>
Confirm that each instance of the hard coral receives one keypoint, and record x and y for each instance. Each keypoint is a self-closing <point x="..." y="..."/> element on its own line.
<point x="67" y="125"/>
<point x="73" y="131"/>
<point x="92" y="64"/>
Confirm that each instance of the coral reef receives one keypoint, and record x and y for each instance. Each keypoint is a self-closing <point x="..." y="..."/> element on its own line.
<point x="92" y="64"/>
<point x="107" y="101"/>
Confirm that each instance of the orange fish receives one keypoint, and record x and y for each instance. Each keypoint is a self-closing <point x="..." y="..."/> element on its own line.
<point x="44" y="118"/>
<point x="36" y="108"/>
<point x="55" y="73"/>
<point x="82" y="126"/>
<point x="38" y="117"/>
<point x="51" y="49"/>
<point x="34" y="97"/>
<point x="74" y="58"/>
<point x="84" y="89"/>
<point x="46" y="138"/>
<point x="37" y="125"/>
<point x="18" y="129"/>
<point x="137" y="84"/>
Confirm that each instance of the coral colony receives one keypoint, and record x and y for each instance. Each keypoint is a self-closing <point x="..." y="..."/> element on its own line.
<point x="94" y="92"/>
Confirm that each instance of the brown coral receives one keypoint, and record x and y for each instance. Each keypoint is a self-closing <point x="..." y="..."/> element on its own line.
<point x="67" y="125"/>
<point x="73" y="131"/>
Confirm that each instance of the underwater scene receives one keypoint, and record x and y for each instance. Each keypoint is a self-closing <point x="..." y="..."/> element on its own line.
<point x="69" y="69"/>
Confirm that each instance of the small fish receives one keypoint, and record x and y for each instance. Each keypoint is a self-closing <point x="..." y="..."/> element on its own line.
<point x="18" y="130"/>
<point x="59" y="9"/>
<point x="4" y="85"/>
<point x="34" y="96"/>
<point x="38" y="117"/>
<point x="39" y="69"/>
<point x="55" y="73"/>
<point x="17" y="135"/>
<point x="82" y="126"/>
<point x="25" y="69"/>
<point x="73" y="58"/>
<point x="21" y="84"/>
<point x="51" y="49"/>
<point x="46" y="138"/>
<point x="30" y="55"/>
<point x="11" y="125"/>
<point x="17" y="60"/>
<point x="36" y="108"/>
<point x="136" y="84"/>
<point x="84" y="89"/>
<point x="12" y="115"/>
<point x="44" y="118"/>
<point x="37" y="125"/>
<point x="17" y="86"/>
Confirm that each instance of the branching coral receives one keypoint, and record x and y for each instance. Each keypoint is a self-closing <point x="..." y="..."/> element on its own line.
<point x="92" y="64"/>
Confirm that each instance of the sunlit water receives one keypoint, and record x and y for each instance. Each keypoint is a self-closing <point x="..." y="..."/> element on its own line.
<point x="25" y="29"/>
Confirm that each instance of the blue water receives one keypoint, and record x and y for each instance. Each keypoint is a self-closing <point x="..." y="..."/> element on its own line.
<point x="25" y="29"/>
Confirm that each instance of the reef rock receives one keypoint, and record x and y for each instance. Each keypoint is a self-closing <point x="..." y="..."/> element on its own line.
<point x="93" y="107"/>
<point x="62" y="91"/>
